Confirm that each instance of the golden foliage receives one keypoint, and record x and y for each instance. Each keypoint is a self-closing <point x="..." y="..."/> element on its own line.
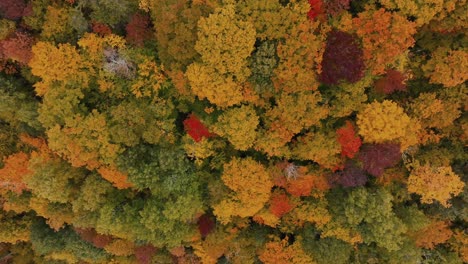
<point x="117" y="178"/>
<point x="297" y="111"/>
<point x="85" y="141"/>
<point x="225" y="42"/>
<point x="250" y="184"/>
<point x="321" y="147"/>
<point x="218" y="89"/>
<point x="309" y="212"/>
<point x="149" y="80"/>
<point x="387" y="122"/>
<point x="120" y="247"/>
<point x="280" y="252"/>
<point x="51" y="63"/>
<point x="447" y="67"/>
<point x="435" y="184"/>
<point x="299" y="59"/>
<point x="271" y="19"/>
<point x="239" y="126"/>
<point x="424" y="11"/>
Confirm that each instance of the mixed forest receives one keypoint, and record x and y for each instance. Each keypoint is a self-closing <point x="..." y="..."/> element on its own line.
<point x="233" y="131"/>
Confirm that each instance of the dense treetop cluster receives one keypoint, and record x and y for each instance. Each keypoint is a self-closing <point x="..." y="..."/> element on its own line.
<point x="233" y="131"/>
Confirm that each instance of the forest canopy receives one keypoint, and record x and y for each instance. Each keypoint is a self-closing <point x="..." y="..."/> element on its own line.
<point x="233" y="131"/>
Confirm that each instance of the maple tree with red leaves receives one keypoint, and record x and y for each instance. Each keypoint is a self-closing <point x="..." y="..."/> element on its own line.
<point x="391" y="82"/>
<point x="101" y="29"/>
<point x="315" y="9"/>
<point x="349" y="141"/>
<point x="280" y="204"/>
<point x="206" y="224"/>
<point x="18" y="47"/>
<point x="139" y="29"/>
<point x="145" y="253"/>
<point x="196" y="129"/>
<point x="12" y="9"/>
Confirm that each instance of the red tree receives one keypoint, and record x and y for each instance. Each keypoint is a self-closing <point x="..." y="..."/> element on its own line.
<point x="18" y="47"/>
<point x="12" y="9"/>
<point x="139" y="29"/>
<point x="315" y="9"/>
<point x="349" y="141"/>
<point x="196" y="129"/>
<point x="391" y="82"/>
<point x="205" y="225"/>
<point x="280" y="205"/>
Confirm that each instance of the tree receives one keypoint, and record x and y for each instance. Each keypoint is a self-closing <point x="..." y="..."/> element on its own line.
<point x="12" y="9"/>
<point x="348" y="140"/>
<point x="196" y="129"/>
<point x="239" y="126"/>
<point x="224" y="43"/>
<point x="250" y="186"/>
<point x="386" y="122"/>
<point x="138" y="29"/>
<point x="435" y="233"/>
<point x="391" y="82"/>
<point x="422" y="11"/>
<point x="435" y="183"/>
<point x="342" y="59"/>
<point x="321" y="147"/>
<point x="18" y="47"/>
<point x="447" y="67"/>
<point x="281" y="251"/>
<point x="12" y="174"/>
<point x="385" y="36"/>
<point x="377" y="157"/>
<point x="51" y="63"/>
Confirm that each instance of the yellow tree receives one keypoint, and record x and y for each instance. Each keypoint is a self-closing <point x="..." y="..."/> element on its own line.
<point x="281" y="251"/>
<point x="51" y="63"/>
<point x="423" y="11"/>
<point x="435" y="184"/>
<point x="300" y="56"/>
<point x="224" y="43"/>
<point x="437" y="232"/>
<point x="239" y="125"/>
<point x="250" y="184"/>
<point x="387" y="122"/>
<point x="447" y="67"/>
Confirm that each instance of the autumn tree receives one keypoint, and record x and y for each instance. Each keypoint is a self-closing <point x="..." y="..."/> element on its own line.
<point x="376" y="28"/>
<point x="348" y="140"/>
<point x="224" y="69"/>
<point x="239" y="126"/>
<point x="435" y="184"/>
<point x="342" y="47"/>
<point x="387" y="122"/>
<point x="447" y="67"/>
<point x="12" y="9"/>
<point x="250" y="186"/>
<point x="139" y="29"/>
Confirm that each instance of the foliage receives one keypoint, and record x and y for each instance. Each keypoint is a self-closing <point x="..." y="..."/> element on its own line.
<point x="250" y="187"/>
<point x="387" y="122"/>
<point x="377" y="157"/>
<point x="385" y="35"/>
<point x="447" y="67"/>
<point x="233" y="131"/>
<point x="238" y="125"/>
<point x="435" y="184"/>
<point x="342" y="60"/>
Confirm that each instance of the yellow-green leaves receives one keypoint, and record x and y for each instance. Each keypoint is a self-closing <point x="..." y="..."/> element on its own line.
<point x="239" y="126"/>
